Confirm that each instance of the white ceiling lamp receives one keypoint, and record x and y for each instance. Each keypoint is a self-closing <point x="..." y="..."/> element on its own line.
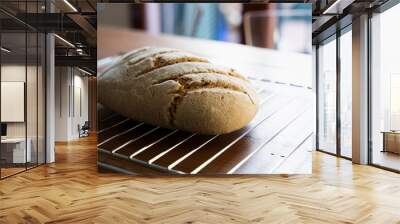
<point x="65" y="41"/>
<point x="5" y="50"/>
<point x="70" y="5"/>
<point x="79" y="51"/>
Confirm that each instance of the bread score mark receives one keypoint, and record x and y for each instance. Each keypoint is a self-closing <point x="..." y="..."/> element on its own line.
<point x="124" y="58"/>
<point x="131" y="59"/>
<point x="160" y="62"/>
<point x="177" y="76"/>
<point x="186" y="85"/>
<point x="143" y="57"/>
<point x="207" y="83"/>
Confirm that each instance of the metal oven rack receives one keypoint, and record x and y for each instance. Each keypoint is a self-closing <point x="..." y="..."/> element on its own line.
<point x="278" y="140"/>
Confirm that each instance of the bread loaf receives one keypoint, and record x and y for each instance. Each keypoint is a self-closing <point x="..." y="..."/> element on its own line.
<point x="175" y="89"/>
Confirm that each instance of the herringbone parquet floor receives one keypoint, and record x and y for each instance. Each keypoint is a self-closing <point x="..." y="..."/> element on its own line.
<point x="71" y="191"/>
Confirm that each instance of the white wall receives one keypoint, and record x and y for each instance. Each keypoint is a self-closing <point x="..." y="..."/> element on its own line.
<point x="33" y="126"/>
<point x="14" y="73"/>
<point x="70" y="83"/>
<point x="62" y="82"/>
<point x="79" y="117"/>
<point x="17" y="73"/>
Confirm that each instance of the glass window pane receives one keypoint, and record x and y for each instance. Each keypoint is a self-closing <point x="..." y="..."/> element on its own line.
<point x="41" y="98"/>
<point x="385" y="114"/>
<point x="327" y="97"/>
<point x="13" y="87"/>
<point x="346" y="94"/>
<point x="22" y="89"/>
<point x="31" y="97"/>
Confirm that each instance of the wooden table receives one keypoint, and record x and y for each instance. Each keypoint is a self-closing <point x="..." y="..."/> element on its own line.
<point x="278" y="140"/>
<point x="391" y="141"/>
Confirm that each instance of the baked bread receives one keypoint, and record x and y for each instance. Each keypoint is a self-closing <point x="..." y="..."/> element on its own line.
<point x="178" y="90"/>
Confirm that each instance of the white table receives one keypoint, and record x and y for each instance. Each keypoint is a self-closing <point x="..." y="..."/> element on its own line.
<point x="18" y="149"/>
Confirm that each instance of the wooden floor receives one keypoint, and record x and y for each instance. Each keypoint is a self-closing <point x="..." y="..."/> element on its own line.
<point x="387" y="159"/>
<point x="10" y="171"/>
<point x="71" y="191"/>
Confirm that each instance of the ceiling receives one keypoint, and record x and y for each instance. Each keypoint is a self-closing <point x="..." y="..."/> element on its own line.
<point x="331" y="15"/>
<point x="74" y="22"/>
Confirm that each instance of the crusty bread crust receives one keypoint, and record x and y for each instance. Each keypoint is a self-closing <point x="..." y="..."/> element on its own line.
<point x="175" y="89"/>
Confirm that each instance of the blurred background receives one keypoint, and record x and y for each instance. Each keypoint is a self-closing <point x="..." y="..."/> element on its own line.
<point x="285" y="26"/>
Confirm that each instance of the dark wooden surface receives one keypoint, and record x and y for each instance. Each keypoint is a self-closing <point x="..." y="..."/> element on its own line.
<point x="278" y="140"/>
<point x="282" y="127"/>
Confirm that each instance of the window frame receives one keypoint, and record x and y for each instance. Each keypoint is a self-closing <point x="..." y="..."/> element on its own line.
<point x="334" y="37"/>
<point x="27" y="29"/>
<point x="378" y="10"/>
